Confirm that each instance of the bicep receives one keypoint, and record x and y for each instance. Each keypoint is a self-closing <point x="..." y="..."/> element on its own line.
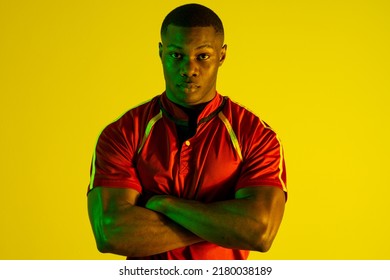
<point x="261" y="192"/>
<point x="267" y="209"/>
<point x="103" y="199"/>
<point x="268" y="202"/>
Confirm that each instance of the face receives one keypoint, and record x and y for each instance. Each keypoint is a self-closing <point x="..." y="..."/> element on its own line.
<point x="191" y="57"/>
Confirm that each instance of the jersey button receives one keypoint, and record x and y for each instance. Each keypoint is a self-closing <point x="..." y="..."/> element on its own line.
<point x="188" y="143"/>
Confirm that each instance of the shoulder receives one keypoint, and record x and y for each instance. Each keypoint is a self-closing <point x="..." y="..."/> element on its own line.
<point x="250" y="130"/>
<point x="130" y="126"/>
<point x="135" y="116"/>
<point x="240" y="116"/>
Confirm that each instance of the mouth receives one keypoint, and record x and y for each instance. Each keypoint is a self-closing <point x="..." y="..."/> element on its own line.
<point x="188" y="85"/>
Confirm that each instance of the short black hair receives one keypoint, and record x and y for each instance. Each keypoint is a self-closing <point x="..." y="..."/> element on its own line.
<point x="192" y="15"/>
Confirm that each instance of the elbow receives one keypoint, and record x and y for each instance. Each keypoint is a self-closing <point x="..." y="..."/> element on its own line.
<point x="109" y="239"/>
<point x="264" y="234"/>
<point x="263" y="245"/>
<point x="263" y="239"/>
<point x="104" y="244"/>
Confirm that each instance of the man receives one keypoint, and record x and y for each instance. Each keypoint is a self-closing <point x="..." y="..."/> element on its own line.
<point x="189" y="174"/>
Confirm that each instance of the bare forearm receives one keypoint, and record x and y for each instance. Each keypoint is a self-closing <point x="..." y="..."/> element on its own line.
<point x="239" y="223"/>
<point x="122" y="228"/>
<point x="220" y="223"/>
<point x="139" y="232"/>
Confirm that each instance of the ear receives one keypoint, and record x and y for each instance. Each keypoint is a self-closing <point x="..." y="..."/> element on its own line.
<point x="223" y="54"/>
<point x="160" y="46"/>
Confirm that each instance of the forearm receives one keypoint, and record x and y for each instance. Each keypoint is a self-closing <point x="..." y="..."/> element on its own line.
<point x="239" y="223"/>
<point x="139" y="232"/>
<point x="222" y="223"/>
<point x="125" y="229"/>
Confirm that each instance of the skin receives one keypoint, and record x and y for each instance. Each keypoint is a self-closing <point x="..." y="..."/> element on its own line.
<point x="249" y="222"/>
<point x="120" y="227"/>
<point x="191" y="58"/>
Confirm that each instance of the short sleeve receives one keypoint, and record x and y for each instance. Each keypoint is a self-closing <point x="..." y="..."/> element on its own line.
<point x="263" y="159"/>
<point x="112" y="162"/>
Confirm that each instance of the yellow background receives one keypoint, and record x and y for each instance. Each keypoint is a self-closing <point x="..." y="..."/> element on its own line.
<point x="316" y="71"/>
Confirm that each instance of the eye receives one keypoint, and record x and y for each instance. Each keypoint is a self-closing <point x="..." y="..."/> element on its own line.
<point x="203" y="56"/>
<point x="176" y="55"/>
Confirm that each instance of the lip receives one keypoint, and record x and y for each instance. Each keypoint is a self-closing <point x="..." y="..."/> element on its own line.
<point x="189" y="85"/>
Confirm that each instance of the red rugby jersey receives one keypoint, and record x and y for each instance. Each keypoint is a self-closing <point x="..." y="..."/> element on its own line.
<point x="232" y="149"/>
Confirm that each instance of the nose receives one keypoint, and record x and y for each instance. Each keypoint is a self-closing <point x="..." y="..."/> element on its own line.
<point x="189" y="68"/>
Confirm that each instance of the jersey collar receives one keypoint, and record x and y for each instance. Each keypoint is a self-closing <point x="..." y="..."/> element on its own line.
<point x="177" y="114"/>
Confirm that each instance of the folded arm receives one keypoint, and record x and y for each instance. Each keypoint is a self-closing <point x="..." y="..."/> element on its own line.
<point x="250" y="221"/>
<point x="120" y="227"/>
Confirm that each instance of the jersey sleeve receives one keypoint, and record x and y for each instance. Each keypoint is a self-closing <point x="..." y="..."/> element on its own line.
<point x="263" y="160"/>
<point x="112" y="162"/>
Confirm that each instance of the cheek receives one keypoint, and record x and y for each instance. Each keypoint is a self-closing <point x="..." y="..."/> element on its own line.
<point x="211" y="70"/>
<point x="169" y="68"/>
<point x="212" y="65"/>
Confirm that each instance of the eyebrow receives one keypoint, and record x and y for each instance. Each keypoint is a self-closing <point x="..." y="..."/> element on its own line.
<point x="205" y="46"/>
